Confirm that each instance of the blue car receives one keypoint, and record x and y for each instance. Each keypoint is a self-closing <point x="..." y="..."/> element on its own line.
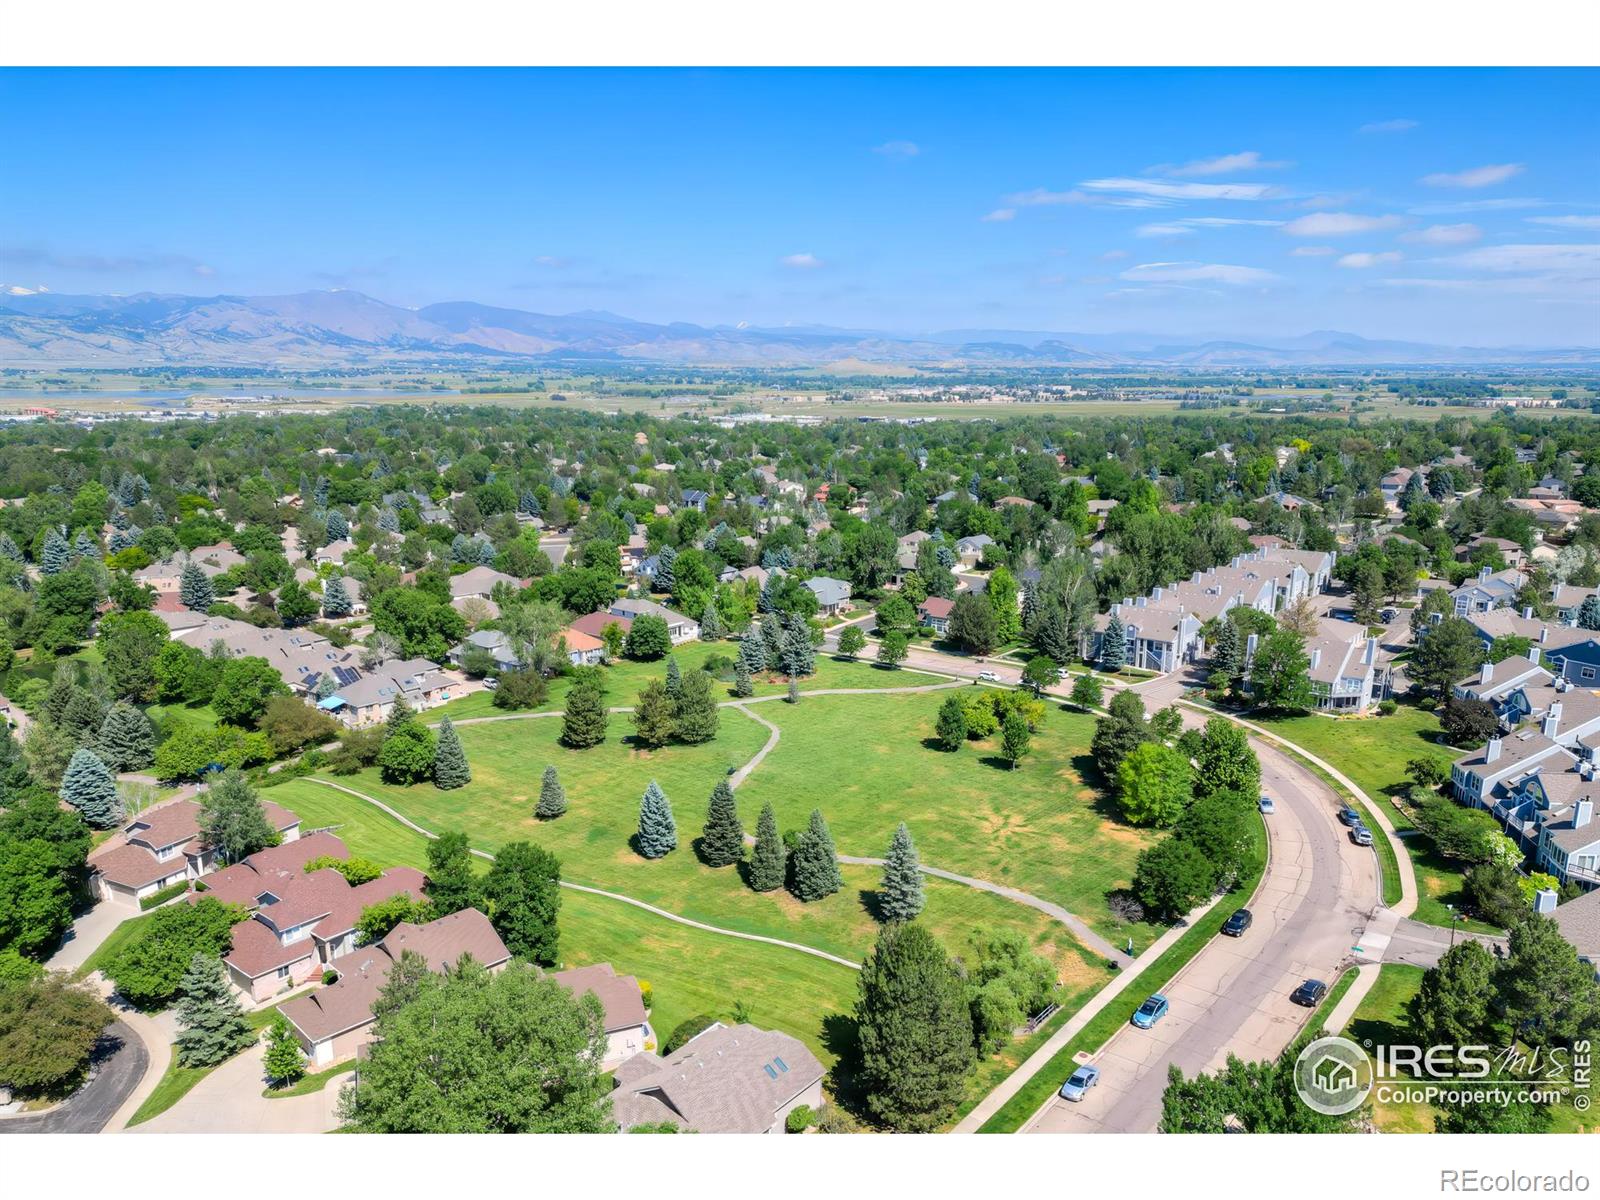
<point x="1151" y="1011"/>
<point x="1084" y="1078"/>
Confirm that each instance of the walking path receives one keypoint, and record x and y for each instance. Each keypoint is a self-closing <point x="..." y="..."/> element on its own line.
<point x="594" y="891"/>
<point x="743" y="772"/>
<point x="1366" y="976"/>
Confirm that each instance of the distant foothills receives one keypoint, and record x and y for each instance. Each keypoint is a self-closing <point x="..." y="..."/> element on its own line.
<point x="348" y="329"/>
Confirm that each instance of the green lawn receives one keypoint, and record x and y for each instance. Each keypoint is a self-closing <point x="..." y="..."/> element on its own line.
<point x="310" y="1083"/>
<point x="179" y="1081"/>
<point x="115" y="941"/>
<point x="625" y="678"/>
<point x="868" y="762"/>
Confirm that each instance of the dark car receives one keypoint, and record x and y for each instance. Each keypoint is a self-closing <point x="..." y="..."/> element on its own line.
<point x="1235" y="925"/>
<point x="1349" y="816"/>
<point x="1310" y="993"/>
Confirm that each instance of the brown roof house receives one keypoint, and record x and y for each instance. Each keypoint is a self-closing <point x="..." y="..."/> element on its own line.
<point x="161" y="847"/>
<point x="628" y="1031"/>
<point x="334" y="1022"/>
<point x="729" y="1079"/>
<point x="300" y="921"/>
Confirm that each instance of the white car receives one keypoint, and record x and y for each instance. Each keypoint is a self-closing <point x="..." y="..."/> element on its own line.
<point x="988" y="677"/>
<point x="1267" y="807"/>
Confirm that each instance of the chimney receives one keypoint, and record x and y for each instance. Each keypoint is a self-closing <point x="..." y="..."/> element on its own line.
<point x="1142" y="602"/>
<point x="1435" y="618"/>
<point x="1582" y="813"/>
<point x="1155" y="595"/>
<point x="1491" y="750"/>
<point x="1485" y="674"/>
<point x="1533" y="655"/>
<point x="1544" y="901"/>
<point x="1484" y="572"/>
<point x="1527" y="612"/>
<point x="1544" y="632"/>
<point x="1372" y="651"/>
<point x="1316" y="658"/>
<point x="1250" y="646"/>
<point x="1552" y="720"/>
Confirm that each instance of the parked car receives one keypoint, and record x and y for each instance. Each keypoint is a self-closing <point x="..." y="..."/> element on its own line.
<point x="988" y="677"/>
<point x="1235" y="925"/>
<point x="1349" y="816"/>
<point x="490" y="684"/>
<point x="1310" y="993"/>
<point x="1388" y="615"/>
<point x="1267" y="807"/>
<point x="1084" y="1078"/>
<point x="1361" y="835"/>
<point x="1151" y="1011"/>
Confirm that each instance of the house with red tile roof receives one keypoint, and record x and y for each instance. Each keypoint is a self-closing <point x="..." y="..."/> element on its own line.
<point x="161" y="847"/>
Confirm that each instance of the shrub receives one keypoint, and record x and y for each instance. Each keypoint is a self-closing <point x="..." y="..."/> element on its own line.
<point x="1387" y="708"/>
<point x="520" y="690"/>
<point x="799" y="1119"/>
<point x="834" y="1119"/>
<point x="686" y="1030"/>
<point x="157" y="899"/>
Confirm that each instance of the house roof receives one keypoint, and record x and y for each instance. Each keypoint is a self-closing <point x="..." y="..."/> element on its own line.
<point x="619" y="995"/>
<point x="828" y="591"/>
<point x="937" y="607"/>
<point x="581" y="642"/>
<point x="729" y="1079"/>
<point x="594" y="624"/>
<point x="134" y="866"/>
<point x="641" y="608"/>
<point x="479" y="581"/>
<point x="1579" y="921"/>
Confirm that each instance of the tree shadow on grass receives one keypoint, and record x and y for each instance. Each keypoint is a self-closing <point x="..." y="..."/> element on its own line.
<point x="997" y="762"/>
<point x="872" y="903"/>
<point x="841" y="1038"/>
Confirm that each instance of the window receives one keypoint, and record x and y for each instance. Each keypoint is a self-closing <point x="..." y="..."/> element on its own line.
<point x="1588" y="672"/>
<point x="283" y="972"/>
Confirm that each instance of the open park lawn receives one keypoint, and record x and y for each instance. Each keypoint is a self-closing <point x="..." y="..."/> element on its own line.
<point x="870" y="761"/>
<point x="1373" y="751"/>
<point x="625" y="678"/>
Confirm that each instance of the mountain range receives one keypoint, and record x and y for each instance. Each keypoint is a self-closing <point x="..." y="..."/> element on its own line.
<point x="347" y="329"/>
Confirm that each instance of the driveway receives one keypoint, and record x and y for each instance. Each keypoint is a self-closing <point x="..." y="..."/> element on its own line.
<point x="119" y="1063"/>
<point x="1316" y="898"/>
<point x="229" y="1100"/>
<point x="87" y="933"/>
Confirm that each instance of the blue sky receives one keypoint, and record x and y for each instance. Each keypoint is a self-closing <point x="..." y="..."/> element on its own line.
<point x="1450" y="206"/>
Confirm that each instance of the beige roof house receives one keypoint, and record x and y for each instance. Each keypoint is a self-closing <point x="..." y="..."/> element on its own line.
<point x="729" y="1079"/>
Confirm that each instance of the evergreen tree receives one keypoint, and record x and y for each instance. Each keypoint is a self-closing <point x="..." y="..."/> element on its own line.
<point x="552" y="797"/>
<point x="772" y="642"/>
<point x="653" y="716"/>
<point x="55" y="555"/>
<point x="336" y="600"/>
<point x="722" y="838"/>
<point x="1589" y="613"/>
<point x="658" y="833"/>
<point x="528" y="503"/>
<point x="1053" y="634"/>
<point x="711" y="628"/>
<point x="951" y="725"/>
<point x="284" y="1062"/>
<point x="696" y="717"/>
<point x="666" y="561"/>
<point x="338" y="526"/>
<point x="9" y="550"/>
<point x="583" y="724"/>
<point x="127" y="740"/>
<point x="742" y="685"/>
<point x="752" y="653"/>
<point x="915" y="1027"/>
<point x="89" y="787"/>
<point x="1114" y="646"/>
<point x="766" y="601"/>
<point x="815" y="865"/>
<point x="1227" y="661"/>
<point x="768" y="861"/>
<point x="900" y="894"/>
<point x="799" y="655"/>
<point x="211" y="1025"/>
<point x="674" y="678"/>
<point x="83" y="546"/>
<point x="450" y="769"/>
<point x="194" y="589"/>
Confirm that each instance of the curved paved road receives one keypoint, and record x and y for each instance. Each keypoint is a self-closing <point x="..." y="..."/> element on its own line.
<point x="120" y="1060"/>
<point x="1316" y="898"/>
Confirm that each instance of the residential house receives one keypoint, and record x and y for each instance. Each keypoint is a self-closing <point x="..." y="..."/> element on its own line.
<point x="934" y="612"/>
<point x="479" y="583"/>
<point x="332" y="1023"/>
<point x="370" y="698"/>
<point x="696" y="499"/>
<point x="1579" y="922"/>
<point x="1346" y="672"/>
<point x="679" y="627"/>
<point x="333" y="552"/>
<point x="628" y="1029"/>
<point x="833" y="595"/>
<point x="594" y="624"/>
<point x="1490" y="590"/>
<point x="1475" y="776"/>
<point x="728" y="1079"/>
<point x="633" y="552"/>
<point x="161" y="847"/>
<point x="970" y="550"/>
<point x="1568" y="599"/>
<point x="1492" y="682"/>
<point x="300" y="921"/>
<point x="494" y="642"/>
<point x="1393" y="484"/>
<point x="583" y="650"/>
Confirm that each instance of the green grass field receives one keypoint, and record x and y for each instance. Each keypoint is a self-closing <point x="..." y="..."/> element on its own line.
<point x="625" y="678"/>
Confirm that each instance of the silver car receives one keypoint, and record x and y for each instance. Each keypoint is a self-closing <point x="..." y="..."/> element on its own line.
<point x="1084" y="1078"/>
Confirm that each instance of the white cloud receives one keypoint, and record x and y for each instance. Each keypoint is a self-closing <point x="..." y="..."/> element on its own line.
<point x="1445" y="235"/>
<point x="801" y="262"/>
<point x="1161" y="190"/>
<point x="1566" y="222"/>
<point x="999" y="214"/>
<point x="1362" y="261"/>
<point x="1337" y="224"/>
<point x="1468" y="206"/>
<point x="16" y="289"/>
<point x="1475" y="177"/>
<point x="898" y="149"/>
<point x="1185" y="225"/>
<point x="1312" y="251"/>
<point x="1398" y="125"/>
<point x="1246" y="160"/>
<point x="1197" y="272"/>
<point x="1549" y="258"/>
<point x="1034" y="197"/>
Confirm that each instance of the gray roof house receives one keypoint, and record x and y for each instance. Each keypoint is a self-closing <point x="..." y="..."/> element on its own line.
<point x="1579" y="920"/>
<point x="1491" y="589"/>
<point x="679" y="627"/>
<point x="729" y="1079"/>
<point x="833" y="595"/>
<point x="495" y="642"/>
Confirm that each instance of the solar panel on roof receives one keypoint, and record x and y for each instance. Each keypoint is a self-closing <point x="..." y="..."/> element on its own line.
<point x="771" y="1074"/>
